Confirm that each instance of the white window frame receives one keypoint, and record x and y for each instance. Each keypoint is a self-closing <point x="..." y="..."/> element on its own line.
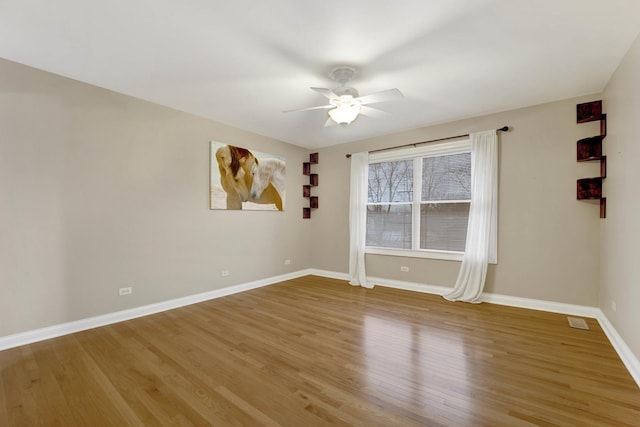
<point x="416" y="154"/>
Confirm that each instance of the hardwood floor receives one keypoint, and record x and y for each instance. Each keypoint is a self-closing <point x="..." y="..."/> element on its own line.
<point x="316" y="351"/>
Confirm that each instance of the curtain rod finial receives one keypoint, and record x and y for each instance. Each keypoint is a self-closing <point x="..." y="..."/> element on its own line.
<point x="504" y="129"/>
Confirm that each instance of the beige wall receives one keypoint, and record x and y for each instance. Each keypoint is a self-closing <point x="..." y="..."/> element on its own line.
<point x="100" y="191"/>
<point x="620" y="232"/>
<point x="549" y="243"/>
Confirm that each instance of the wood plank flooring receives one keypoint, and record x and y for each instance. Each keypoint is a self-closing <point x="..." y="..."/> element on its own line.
<point x="315" y="351"/>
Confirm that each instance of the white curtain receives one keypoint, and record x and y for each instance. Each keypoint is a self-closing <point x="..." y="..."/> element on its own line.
<point x="481" y="246"/>
<point x="358" y="219"/>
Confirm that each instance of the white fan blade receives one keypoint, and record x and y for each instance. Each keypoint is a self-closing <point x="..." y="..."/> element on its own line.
<point x="372" y="112"/>
<point x="383" y="96"/>
<point x="320" y="107"/>
<point x="325" y="92"/>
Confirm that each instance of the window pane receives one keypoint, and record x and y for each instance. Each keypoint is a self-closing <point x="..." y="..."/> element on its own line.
<point x="443" y="226"/>
<point x="389" y="226"/>
<point x="446" y="177"/>
<point x="390" y="181"/>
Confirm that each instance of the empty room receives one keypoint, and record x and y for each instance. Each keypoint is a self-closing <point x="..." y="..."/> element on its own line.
<point x="296" y="213"/>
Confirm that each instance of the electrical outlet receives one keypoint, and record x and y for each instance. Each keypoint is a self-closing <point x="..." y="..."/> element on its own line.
<point x="225" y="273"/>
<point x="287" y="261"/>
<point x="404" y="268"/>
<point x="125" y="291"/>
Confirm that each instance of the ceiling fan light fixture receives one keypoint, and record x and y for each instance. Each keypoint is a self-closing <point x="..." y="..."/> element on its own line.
<point x="345" y="104"/>
<point x="345" y="114"/>
<point x="346" y="111"/>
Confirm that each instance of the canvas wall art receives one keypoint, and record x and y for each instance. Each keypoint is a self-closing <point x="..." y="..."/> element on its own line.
<point x="242" y="179"/>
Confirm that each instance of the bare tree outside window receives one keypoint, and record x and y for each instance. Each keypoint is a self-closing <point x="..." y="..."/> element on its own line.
<point x="446" y="177"/>
<point x="446" y="195"/>
<point x="389" y="204"/>
<point x="390" y="181"/>
<point x="443" y="201"/>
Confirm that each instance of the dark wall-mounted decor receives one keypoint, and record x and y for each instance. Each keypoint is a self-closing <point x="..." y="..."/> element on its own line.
<point x="603" y="166"/>
<point x="589" y="188"/>
<point x="313" y="182"/>
<point x="589" y="111"/>
<point x="589" y="149"/>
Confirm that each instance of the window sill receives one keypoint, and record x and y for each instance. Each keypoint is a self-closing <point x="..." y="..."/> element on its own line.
<point x="443" y="255"/>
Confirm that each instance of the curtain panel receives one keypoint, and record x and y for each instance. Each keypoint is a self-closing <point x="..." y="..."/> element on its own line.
<point x="358" y="219"/>
<point x="481" y="245"/>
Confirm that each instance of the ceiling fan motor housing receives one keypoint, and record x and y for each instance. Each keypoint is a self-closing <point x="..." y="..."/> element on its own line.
<point x="346" y="90"/>
<point x="343" y="74"/>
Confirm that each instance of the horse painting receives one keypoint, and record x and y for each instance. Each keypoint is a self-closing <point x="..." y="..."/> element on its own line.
<point x="233" y="178"/>
<point x="265" y="172"/>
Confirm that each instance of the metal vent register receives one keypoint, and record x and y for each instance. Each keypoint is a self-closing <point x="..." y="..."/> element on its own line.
<point x="577" y="323"/>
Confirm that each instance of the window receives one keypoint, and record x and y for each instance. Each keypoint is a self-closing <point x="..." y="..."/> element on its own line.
<point x="418" y="200"/>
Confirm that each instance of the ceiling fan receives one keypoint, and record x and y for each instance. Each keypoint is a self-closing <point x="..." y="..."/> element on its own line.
<point x="345" y="104"/>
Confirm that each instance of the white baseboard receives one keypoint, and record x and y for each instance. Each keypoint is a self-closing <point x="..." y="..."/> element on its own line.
<point x="409" y="286"/>
<point x="628" y="358"/>
<point x="533" y="304"/>
<point x="329" y="274"/>
<point x="536" y="304"/>
<point x="41" y="334"/>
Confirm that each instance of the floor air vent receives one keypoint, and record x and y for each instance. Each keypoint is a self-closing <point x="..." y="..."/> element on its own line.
<point x="577" y="323"/>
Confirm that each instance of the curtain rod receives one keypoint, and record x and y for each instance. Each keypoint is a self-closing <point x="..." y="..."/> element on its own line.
<point x="502" y="129"/>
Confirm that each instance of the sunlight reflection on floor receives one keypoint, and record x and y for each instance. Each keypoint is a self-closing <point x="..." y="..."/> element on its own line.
<point x="412" y="375"/>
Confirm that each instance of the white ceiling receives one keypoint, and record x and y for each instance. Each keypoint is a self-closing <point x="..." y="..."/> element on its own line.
<point x="243" y="62"/>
